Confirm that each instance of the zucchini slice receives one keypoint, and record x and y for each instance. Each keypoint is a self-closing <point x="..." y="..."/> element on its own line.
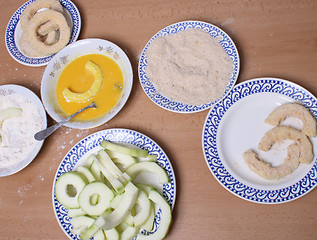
<point x="166" y="217"/>
<point x="126" y="150"/>
<point x="105" y="195"/>
<point x="67" y="188"/>
<point x="150" y="167"/>
<point x="122" y="210"/>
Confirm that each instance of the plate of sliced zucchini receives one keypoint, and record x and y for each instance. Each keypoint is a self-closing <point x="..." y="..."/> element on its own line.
<point x="115" y="184"/>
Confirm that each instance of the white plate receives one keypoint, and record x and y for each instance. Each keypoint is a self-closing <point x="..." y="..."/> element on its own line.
<point x="68" y="54"/>
<point x="14" y="32"/>
<point x="236" y="124"/>
<point x="215" y="32"/>
<point x="16" y="89"/>
<point x="90" y="145"/>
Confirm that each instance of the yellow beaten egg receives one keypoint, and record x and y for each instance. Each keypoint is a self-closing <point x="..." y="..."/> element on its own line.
<point x="78" y="79"/>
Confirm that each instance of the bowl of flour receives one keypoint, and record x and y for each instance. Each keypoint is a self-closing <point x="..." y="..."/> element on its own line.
<point x="17" y="146"/>
<point x="188" y="66"/>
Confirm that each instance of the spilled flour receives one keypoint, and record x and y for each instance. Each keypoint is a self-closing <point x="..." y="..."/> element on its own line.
<point x="190" y="67"/>
<point x="17" y="133"/>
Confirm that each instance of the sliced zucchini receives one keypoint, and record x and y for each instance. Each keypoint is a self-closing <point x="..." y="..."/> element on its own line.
<point x="94" y="88"/>
<point x="124" y="160"/>
<point x="115" y="201"/>
<point x="91" y="231"/>
<point x="89" y="161"/>
<point x="150" y="167"/>
<point x="105" y="195"/>
<point x="112" y="234"/>
<point x="142" y="210"/>
<point x="116" y="184"/>
<point x="100" y="235"/>
<point x="9" y="113"/>
<point x="106" y="161"/>
<point x="75" y="212"/>
<point x="87" y="173"/>
<point x="122" y="210"/>
<point x="81" y="224"/>
<point x="129" y="233"/>
<point x="166" y="217"/>
<point x="67" y="188"/>
<point x="122" y="149"/>
<point x="95" y="170"/>
<point x="148" y="225"/>
<point x="148" y="158"/>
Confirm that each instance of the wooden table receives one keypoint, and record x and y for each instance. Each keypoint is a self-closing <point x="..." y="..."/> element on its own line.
<point x="275" y="38"/>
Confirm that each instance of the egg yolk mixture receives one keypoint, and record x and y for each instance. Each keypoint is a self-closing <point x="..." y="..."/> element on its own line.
<point x="78" y="79"/>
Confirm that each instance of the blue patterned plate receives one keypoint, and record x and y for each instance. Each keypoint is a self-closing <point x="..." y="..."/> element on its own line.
<point x="14" y="32"/>
<point x="215" y="32"/>
<point x="236" y="124"/>
<point x="91" y="144"/>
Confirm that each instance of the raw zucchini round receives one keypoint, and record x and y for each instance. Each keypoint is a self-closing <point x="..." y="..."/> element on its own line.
<point x="105" y="195"/>
<point x="67" y="188"/>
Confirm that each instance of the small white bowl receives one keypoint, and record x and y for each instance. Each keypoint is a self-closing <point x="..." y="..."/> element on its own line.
<point x="67" y="55"/>
<point x="6" y="90"/>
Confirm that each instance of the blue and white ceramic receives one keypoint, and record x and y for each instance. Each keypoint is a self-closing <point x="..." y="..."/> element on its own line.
<point x="236" y="124"/>
<point x="13" y="33"/>
<point x="215" y="32"/>
<point x="90" y="145"/>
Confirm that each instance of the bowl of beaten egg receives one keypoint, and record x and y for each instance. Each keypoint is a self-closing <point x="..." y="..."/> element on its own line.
<point x="90" y="70"/>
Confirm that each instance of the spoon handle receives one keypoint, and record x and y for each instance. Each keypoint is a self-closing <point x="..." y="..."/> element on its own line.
<point x="41" y="135"/>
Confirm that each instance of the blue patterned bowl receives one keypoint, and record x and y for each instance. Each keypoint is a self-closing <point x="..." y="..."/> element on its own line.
<point x="13" y="34"/>
<point x="215" y="32"/>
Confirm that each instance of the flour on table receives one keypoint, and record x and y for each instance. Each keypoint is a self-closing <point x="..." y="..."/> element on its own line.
<point x="190" y="67"/>
<point x="17" y="133"/>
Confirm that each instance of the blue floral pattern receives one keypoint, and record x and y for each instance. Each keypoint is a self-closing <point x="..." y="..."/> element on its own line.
<point x="209" y="143"/>
<point x="11" y="40"/>
<point x="225" y="41"/>
<point x="94" y="141"/>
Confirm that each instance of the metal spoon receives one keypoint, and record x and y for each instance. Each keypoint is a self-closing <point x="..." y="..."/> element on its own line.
<point x="41" y="135"/>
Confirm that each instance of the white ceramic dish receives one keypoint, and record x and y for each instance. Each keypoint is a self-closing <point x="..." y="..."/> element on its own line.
<point x="13" y="34"/>
<point x="65" y="56"/>
<point x="215" y="32"/>
<point x="90" y="145"/>
<point x="236" y="124"/>
<point x="16" y="89"/>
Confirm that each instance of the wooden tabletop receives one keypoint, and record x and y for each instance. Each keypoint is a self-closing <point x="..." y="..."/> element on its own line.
<point x="276" y="38"/>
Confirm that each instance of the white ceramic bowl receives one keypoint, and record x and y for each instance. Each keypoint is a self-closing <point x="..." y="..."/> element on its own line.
<point x="33" y="98"/>
<point x="68" y="54"/>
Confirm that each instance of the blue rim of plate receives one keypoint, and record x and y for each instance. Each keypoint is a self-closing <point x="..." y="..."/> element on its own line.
<point x="93" y="141"/>
<point x="210" y="149"/>
<point x="225" y="41"/>
<point x="10" y="39"/>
